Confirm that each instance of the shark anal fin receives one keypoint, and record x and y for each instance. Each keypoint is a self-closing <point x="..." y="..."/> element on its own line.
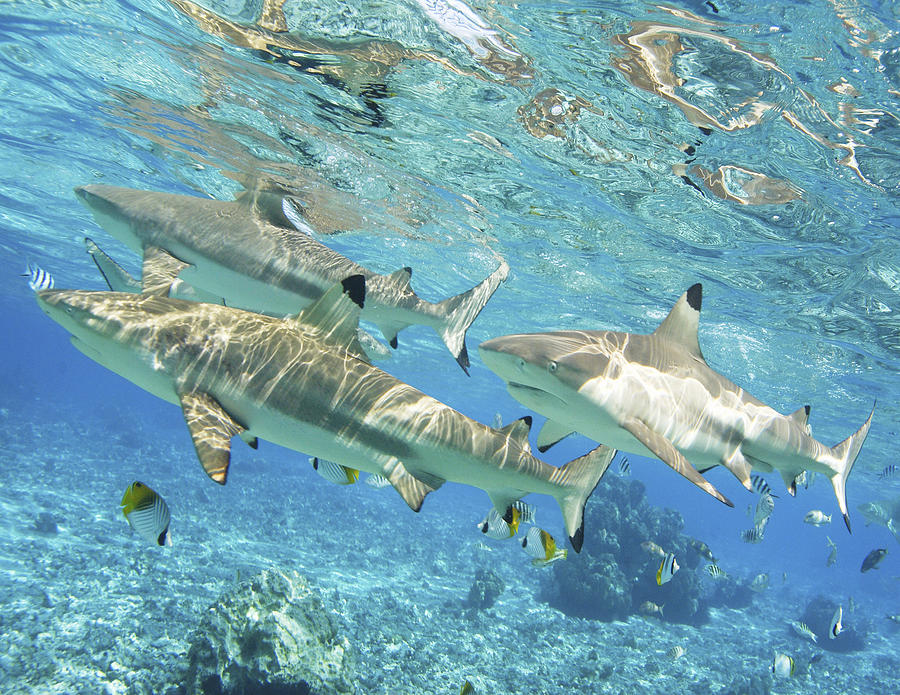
<point x="159" y="271"/>
<point x="551" y="433"/>
<point x="335" y="315"/>
<point x="211" y="429"/>
<point x="664" y="450"/>
<point x="411" y="489"/>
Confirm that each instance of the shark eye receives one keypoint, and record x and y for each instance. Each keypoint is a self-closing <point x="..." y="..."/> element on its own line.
<point x="520" y="363"/>
<point x="552" y="366"/>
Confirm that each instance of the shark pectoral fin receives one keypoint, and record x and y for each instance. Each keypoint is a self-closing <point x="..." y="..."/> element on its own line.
<point x="740" y="467"/>
<point x="518" y="431"/>
<point x="683" y="321"/>
<point x="335" y="315"/>
<point x="159" y="271"/>
<point x="250" y="440"/>
<point x="411" y="489"/>
<point x="790" y="482"/>
<point x="211" y="429"/>
<point x="551" y="433"/>
<point x="664" y="450"/>
<point x="117" y="278"/>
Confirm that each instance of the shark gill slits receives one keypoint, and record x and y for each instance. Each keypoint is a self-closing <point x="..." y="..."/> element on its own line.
<point x="695" y="296"/>
<point x="355" y="288"/>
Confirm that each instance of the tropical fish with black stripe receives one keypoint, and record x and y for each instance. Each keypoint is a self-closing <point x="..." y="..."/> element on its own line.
<point x="335" y="472"/>
<point x="500" y="527"/>
<point x="667" y="569"/>
<point x="377" y="481"/>
<point x="147" y="513"/>
<point x="38" y="278"/>
<point x="716" y="572"/>
<point x="542" y="548"/>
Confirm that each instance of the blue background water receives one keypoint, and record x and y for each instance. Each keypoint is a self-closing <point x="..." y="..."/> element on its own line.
<point x="433" y="162"/>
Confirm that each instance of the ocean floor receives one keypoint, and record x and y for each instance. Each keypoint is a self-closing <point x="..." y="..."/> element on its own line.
<point x="89" y="608"/>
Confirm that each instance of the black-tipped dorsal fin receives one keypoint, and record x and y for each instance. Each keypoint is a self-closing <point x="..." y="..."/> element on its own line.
<point x="682" y="323"/>
<point x="519" y="430"/>
<point x="800" y="416"/>
<point x="401" y="278"/>
<point x="335" y="315"/>
<point x="211" y="429"/>
<point x="159" y="271"/>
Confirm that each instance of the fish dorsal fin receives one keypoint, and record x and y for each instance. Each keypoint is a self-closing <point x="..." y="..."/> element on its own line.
<point x="401" y="279"/>
<point x="801" y="416"/>
<point x="411" y="489"/>
<point x="160" y="270"/>
<point x="117" y="278"/>
<point x="518" y="431"/>
<point x="682" y="323"/>
<point x="335" y="315"/>
<point x="552" y="432"/>
<point x="211" y="429"/>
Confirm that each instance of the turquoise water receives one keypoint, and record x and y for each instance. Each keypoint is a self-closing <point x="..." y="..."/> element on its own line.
<point x="613" y="154"/>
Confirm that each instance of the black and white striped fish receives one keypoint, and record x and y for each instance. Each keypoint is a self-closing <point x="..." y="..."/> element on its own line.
<point x="542" y="547"/>
<point x="147" y="513"/>
<point x="496" y="527"/>
<point x="761" y="486"/>
<point x="38" y="278"/>
<point x="335" y="472"/>
<point x="763" y="510"/>
<point x="888" y="472"/>
<point x="716" y="572"/>
<point x="624" y="467"/>
<point x="377" y="481"/>
<point x="753" y="535"/>
<point x="526" y="511"/>
<point x="667" y="569"/>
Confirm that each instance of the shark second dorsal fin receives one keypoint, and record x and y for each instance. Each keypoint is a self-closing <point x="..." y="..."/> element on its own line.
<point x="160" y="271"/>
<point x="211" y="429"/>
<point x="682" y="323"/>
<point x="518" y="431"/>
<point x="335" y="315"/>
<point x="551" y="433"/>
<point x="411" y="489"/>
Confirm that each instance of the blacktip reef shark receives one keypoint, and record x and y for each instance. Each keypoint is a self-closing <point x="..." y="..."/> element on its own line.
<point x="249" y="254"/>
<point x="305" y="383"/>
<point x="655" y="395"/>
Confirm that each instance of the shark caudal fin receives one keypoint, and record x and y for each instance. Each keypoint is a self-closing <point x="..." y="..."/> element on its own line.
<point x="579" y="477"/>
<point x="460" y="311"/>
<point x="844" y="456"/>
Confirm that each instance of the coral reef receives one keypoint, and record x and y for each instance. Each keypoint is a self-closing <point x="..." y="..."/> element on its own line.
<point x="818" y="614"/>
<point x="271" y="634"/>
<point x="613" y="576"/>
<point x="485" y="590"/>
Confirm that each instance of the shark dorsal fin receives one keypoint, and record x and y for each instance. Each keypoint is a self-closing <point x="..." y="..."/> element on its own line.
<point x="335" y="315"/>
<point x="682" y="323"/>
<point x="519" y="430"/>
<point x="211" y="429"/>
<point x="159" y="271"/>
<point x="801" y="416"/>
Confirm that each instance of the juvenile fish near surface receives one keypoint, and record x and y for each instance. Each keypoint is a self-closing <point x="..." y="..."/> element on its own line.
<point x="817" y="517"/>
<point x="496" y="527"/>
<point x="542" y="548"/>
<point x="38" y="278"/>
<point x="334" y="472"/>
<point x="832" y="556"/>
<point x="147" y="513"/>
<point x="803" y="630"/>
<point x="783" y="666"/>
<point x="667" y="569"/>
<point x="873" y="559"/>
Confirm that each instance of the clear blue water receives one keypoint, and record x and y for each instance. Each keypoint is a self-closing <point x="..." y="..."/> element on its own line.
<point x="613" y="153"/>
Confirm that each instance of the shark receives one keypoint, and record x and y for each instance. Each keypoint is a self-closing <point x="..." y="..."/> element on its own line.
<point x="656" y="396"/>
<point x="251" y="254"/>
<point x="305" y="383"/>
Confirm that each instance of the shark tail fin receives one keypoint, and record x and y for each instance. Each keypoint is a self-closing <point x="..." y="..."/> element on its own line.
<point x="845" y="455"/>
<point x="578" y="479"/>
<point x="460" y="311"/>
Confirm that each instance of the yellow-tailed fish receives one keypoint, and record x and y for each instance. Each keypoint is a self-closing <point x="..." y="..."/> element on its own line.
<point x="377" y="481"/>
<point x="837" y="626"/>
<point x="783" y="666"/>
<point x="467" y="689"/>
<point x="496" y="527"/>
<point x="335" y="472"/>
<point x="667" y="569"/>
<point x="675" y="652"/>
<point x="542" y="548"/>
<point x="147" y="513"/>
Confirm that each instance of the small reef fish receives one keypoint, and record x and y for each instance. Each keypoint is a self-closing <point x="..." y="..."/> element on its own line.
<point x="760" y="582"/>
<point x="753" y="535"/>
<point x="496" y="527"/>
<point x="760" y="485"/>
<point x="497" y="422"/>
<point x="467" y="689"/>
<point x="38" y="278"/>
<point x="763" y="510"/>
<point x="803" y="630"/>
<point x="377" y="481"/>
<point x="817" y="517"/>
<point x="653" y="549"/>
<point x="832" y="556"/>
<point x="624" y="467"/>
<point x="888" y="472"/>
<point x="649" y="608"/>
<point x="836" y="625"/>
<point x="335" y="472"/>
<point x="702" y="549"/>
<point x="675" y="652"/>
<point x="147" y="513"/>
<point x="716" y="572"/>
<point x="527" y="512"/>
<point x="805" y="479"/>
<point x="542" y="548"/>
<point x="873" y="559"/>
<point x="667" y="569"/>
<point x="783" y="666"/>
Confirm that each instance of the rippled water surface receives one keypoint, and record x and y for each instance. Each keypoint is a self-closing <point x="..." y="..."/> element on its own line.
<point x="613" y="153"/>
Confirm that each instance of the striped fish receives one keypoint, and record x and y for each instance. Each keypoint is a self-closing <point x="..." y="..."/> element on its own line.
<point x="147" y="513"/>
<point x="624" y="467"/>
<point x="716" y="572"/>
<point x="38" y="278"/>
<point x="753" y="535"/>
<point x="763" y="509"/>
<point x="542" y="548"/>
<point x="803" y="630"/>
<point x="761" y="486"/>
<point x="496" y="527"/>
<point x="667" y="569"/>
<point x="675" y="652"/>
<point x="377" y="481"/>
<point x="888" y="472"/>
<point x="335" y="472"/>
<point x="526" y="511"/>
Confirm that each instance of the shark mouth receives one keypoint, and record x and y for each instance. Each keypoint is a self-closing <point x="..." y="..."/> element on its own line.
<point x="521" y="391"/>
